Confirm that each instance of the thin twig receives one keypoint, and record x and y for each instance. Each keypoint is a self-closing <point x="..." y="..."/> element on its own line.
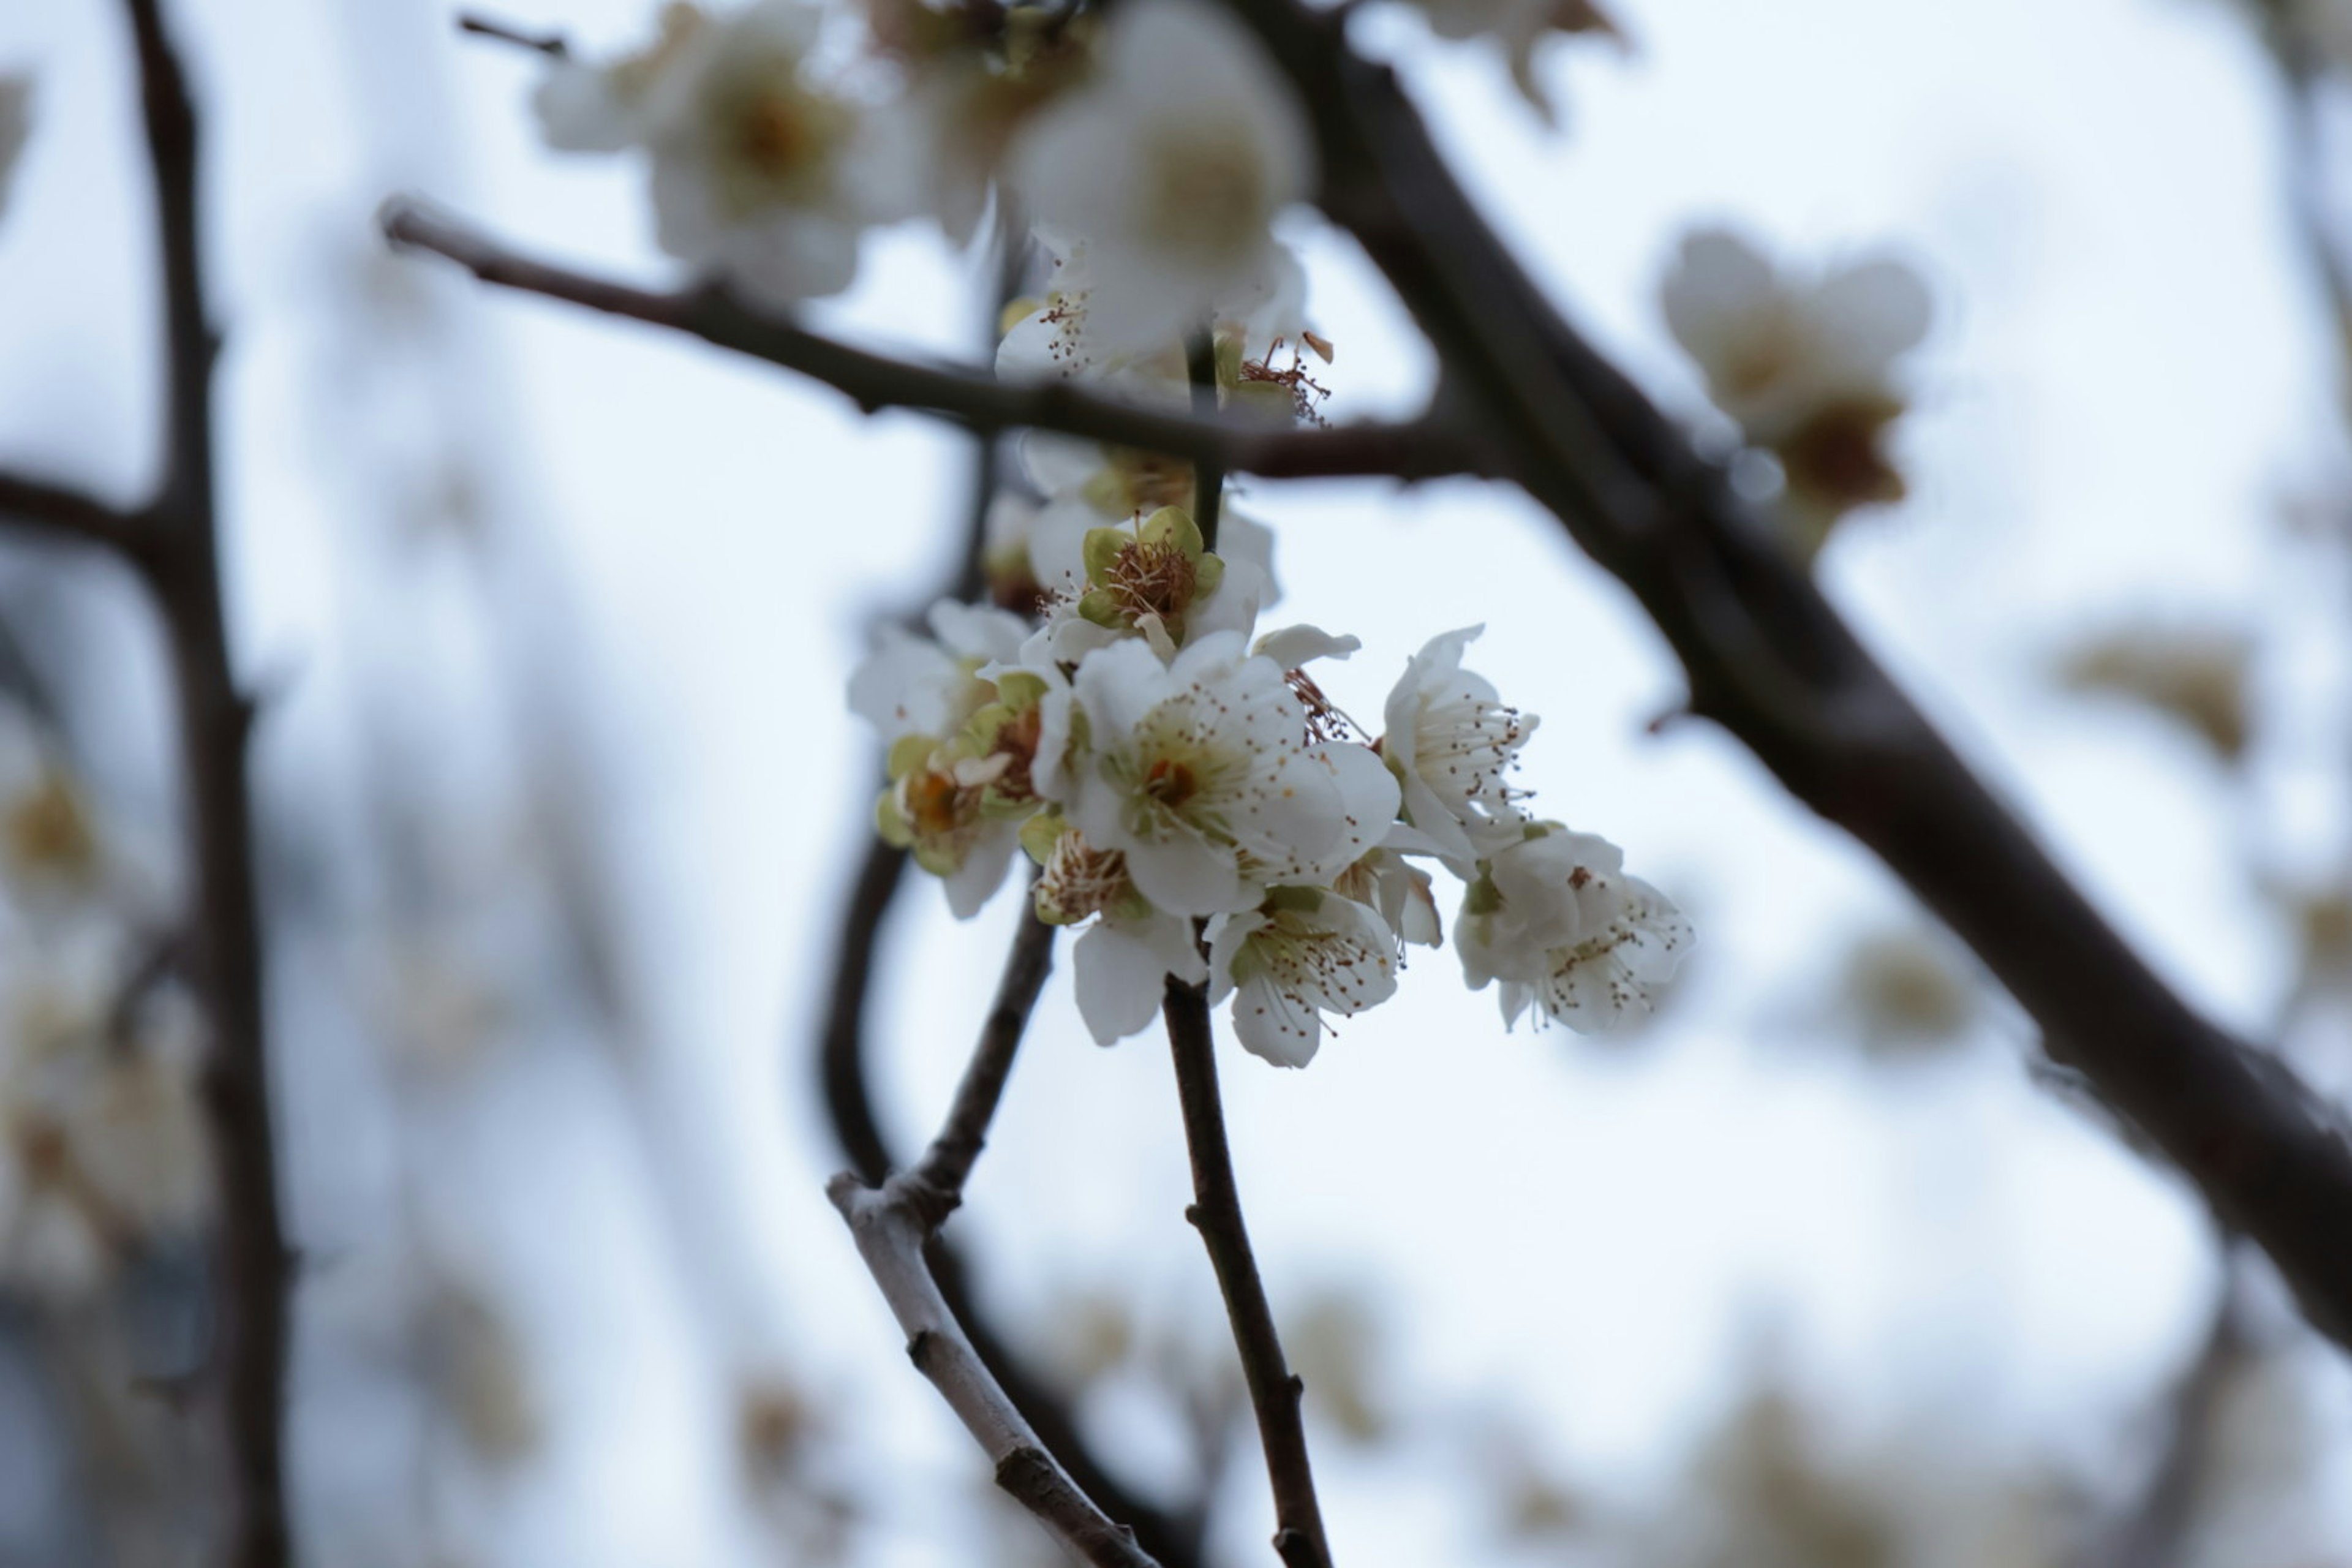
<point x="1216" y="1213"/>
<point x="2157" y="1530"/>
<point x="32" y="502"/>
<point x="548" y="44"/>
<point x="1417" y="450"/>
<point x="1769" y="658"/>
<point x="947" y="1164"/>
<point x="895" y="1222"/>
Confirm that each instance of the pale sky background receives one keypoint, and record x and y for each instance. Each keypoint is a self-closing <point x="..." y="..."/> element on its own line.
<point x="2128" y="374"/>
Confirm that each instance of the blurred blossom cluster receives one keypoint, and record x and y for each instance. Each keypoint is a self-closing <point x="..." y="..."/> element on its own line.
<point x="1186" y="789"/>
<point x="104" y="1153"/>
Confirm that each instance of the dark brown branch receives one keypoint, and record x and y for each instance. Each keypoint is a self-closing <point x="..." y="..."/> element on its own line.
<point x="841" y="1054"/>
<point x="1418" y="450"/>
<point x="1216" y="1213"/>
<point x="893" y="1225"/>
<point x="1769" y="659"/>
<point x="69" y="513"/>
<point x="224" y="941"/>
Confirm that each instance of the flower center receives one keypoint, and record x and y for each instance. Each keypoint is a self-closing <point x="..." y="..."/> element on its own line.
<point x="1152" y="578"/>
<point x="1205" y="190"/>
<point x="1170" y="783"/>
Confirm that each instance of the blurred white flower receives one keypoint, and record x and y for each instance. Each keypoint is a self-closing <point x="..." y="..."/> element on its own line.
<point x="761" y="176"/>
<point x="1555" y="919"/>
<point x="585" y="108"/>
<point x="104" y="1143"/>
<point x="1300" y="955"/>
<point x="16" y="126"/>
<point x="1170" y="167"/>
<point x="1805" y="366"/>
<point x="1450" y="740"/>
<point x="916" y="685"/>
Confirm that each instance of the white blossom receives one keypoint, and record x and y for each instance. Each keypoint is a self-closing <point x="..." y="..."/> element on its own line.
<point x="762" y="177"/>
<point x="1778" y="350"/>
<point x="1450" y="740"/>
<point x="102" y="1141"/>
<point x="1170" y="166"/>
<point x="1400" y="890"/>
<point x="1556" y="921"/>
<point x="586" y="106"/>
<point x="1201" y="772"/>
<point x="16" y="126"/>
<point x="1301" y="953"/>
<point x="915" y="685"/>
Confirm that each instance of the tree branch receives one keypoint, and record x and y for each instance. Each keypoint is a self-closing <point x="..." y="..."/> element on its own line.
<point x="69" y="513"/>
<point x="1216" y="1213"/>
<point x="1769" y="659"/>
<point x="1418" y="450"/>
<point x="895" y="1222"/>
<point x="183" y="568"/>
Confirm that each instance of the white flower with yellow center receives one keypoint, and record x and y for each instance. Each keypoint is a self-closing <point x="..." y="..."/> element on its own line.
<point x="1451" y="743"/>
<point x="1556" y="921"/>
<point x="762" y="177"/>
<point x="1170" y="166"/>
<point x="1301" y="953"/>
<point x="916" y="685"/>
<point x="1202" y="773"/>
<point x="1122" y="962"/>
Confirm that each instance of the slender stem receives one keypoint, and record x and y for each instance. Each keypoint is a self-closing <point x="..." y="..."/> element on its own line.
<point x="1208" y="476"/>
<point x="225" y="943"/>
<point x="893" y="1225"/>
<point x="947" y="1164"/>
<point x="1423" y="449"/>
<point x="1216" y="1213"/>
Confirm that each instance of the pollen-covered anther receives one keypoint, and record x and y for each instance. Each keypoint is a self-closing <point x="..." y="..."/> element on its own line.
<point x="1324" y="722"/>
<point x="1079" y="880"/>
<point x="1152" y="577"/>
<point x="1304" y="391"/>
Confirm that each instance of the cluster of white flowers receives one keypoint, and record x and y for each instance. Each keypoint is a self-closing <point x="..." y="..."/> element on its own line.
<point x="1165" y="137"/>
<point x="1193" y="798"/>
<point x="1188" y="794"/>
<point x="102" y="1141"/>
<point x="1806" y="367"/>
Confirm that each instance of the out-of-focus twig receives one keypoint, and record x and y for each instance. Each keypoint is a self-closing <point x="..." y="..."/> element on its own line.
<point x="1216" y="1213"/>
<point x="225" y="941"/>
<point x="2156" y="1530"/>
<point x="1420" y="449"/>
<point x="28" y="501"/>
<point x="551" y="44"/>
